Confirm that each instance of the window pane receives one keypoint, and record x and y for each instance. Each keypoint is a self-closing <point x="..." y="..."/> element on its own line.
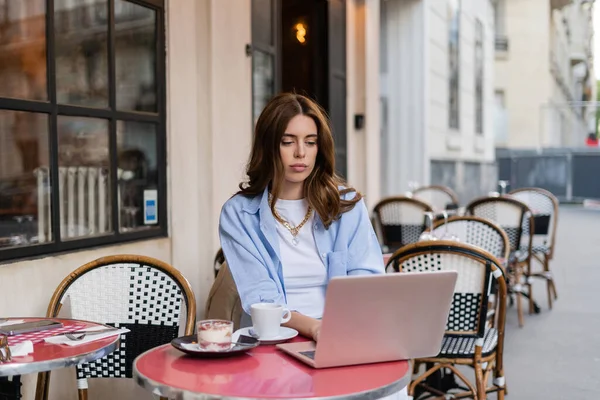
<point x="478" y="77"/>
<point x="81" y="52"/>
<point x="24" y="179"/>
<point x="138" y="175"/>
<point x="135" y="39"/>
<point x="23" y="49"/>
<point x="263" y="72"/>
<point x="84" y="179"/>
<point x="454" y="63"/>
<point x="262" y="22"/>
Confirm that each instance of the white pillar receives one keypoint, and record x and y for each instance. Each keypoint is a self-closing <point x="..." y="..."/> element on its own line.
<point x="372" y="103"/>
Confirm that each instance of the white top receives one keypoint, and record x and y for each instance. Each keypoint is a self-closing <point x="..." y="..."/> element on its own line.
<point x="304" y="274"/>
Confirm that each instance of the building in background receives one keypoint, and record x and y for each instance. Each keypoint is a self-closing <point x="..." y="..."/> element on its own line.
<point x="544" y="73"/>
<point x="437" y="87"/>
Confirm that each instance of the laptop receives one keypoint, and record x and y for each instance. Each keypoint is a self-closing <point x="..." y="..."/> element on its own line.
<point x="378" y="318"/>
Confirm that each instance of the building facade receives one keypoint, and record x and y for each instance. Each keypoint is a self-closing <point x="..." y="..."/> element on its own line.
<point x="126" y="124"/>
<point x="544" y="73"/>
<point x="437" y="83"/>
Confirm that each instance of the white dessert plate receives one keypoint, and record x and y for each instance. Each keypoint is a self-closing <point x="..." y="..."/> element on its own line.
<point x="285" y="334"/>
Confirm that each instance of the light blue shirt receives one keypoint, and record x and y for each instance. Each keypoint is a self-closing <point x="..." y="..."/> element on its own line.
<point x="250" y="243"/>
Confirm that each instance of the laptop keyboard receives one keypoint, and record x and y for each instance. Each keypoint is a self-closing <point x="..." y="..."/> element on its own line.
<point x="309" y="354"/>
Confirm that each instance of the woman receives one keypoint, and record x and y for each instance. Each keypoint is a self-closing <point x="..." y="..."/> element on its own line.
<point x="293" y="225"/>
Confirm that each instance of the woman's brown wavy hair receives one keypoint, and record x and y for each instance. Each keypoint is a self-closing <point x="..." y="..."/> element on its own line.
<point x="265" y="168"/>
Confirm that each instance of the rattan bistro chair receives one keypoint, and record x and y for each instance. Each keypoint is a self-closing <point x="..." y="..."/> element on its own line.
<point x="440" y="197"/>
<point x="147" y="296"/>
<point x="544" y="206"/>
<point x="482" y="233"/>
<point x="469" y="340"/>
<point x="512" y="215"/>
<point x="399" y="221"/>
<point x="477" y="231"/>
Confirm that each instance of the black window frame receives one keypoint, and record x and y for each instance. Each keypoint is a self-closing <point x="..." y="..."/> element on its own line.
<point x="53" y="110"/>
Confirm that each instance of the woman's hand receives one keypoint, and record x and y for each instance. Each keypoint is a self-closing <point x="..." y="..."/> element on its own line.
<point x="306" y="326"/>
<point x="314" y="332"/>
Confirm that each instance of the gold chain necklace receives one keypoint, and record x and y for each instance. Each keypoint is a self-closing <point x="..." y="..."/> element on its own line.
<point x="294" y="230"/>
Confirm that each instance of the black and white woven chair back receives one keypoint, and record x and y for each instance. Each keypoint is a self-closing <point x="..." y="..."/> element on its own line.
<point x="542" y="205"/>
<point x="509" y="214"/>
<point x="439" y="198"/>
<point x="141" y="298"/>
<point x="400" y="221"/>
<point x="477" y="233"/>
<point x="469" y="306"/>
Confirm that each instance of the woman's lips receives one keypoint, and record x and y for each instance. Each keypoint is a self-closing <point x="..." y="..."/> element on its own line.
<point x="299" y="167"/>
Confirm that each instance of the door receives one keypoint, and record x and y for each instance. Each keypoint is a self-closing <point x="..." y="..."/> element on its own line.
<point x="336" y="106"/>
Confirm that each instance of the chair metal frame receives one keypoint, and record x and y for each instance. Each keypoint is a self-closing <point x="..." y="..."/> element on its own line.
<point x="187" y="294"/>
<point x="482" y="365"/>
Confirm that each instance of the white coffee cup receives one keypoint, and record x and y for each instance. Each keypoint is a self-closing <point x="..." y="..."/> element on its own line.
<point x="267" y="317"/>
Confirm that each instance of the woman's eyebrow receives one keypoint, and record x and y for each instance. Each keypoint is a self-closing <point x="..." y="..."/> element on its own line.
<point x="313" y="135"/>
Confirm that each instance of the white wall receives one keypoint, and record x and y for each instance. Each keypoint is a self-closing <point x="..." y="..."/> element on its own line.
<point x="403" y="90"/>
<point x="524" y="73"/>
<point x="356" y="97"/>
<point x="362" y="36"/>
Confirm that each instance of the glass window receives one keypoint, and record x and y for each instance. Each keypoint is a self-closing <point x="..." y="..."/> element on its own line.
<point x="478" y="77"/>
<point x="263" y="80"/>
<point x="135" y="41"/>
<point x="24" y="179"/>
<point x="262" y="21"/>
<point x="23" y="49"/>
<point x="137" y="175"/>
<point x="454" y="63"/>
<point x="81" y="34"/>
<point x="83" y="177"/>
<point x="82" y="155"/>
<point x="265" y="21"/>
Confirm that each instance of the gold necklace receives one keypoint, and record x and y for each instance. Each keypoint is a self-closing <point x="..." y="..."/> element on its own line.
<point x="294" y="230"/>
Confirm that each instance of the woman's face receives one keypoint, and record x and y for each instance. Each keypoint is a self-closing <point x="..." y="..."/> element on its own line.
<point x="298" y="148"/>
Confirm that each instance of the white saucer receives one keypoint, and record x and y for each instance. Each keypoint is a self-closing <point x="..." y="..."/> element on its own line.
<point x="285" y="334"/>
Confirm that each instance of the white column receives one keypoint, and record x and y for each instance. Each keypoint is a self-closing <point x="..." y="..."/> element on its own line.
<point x="425" y="155"/>
<point x="372" y="103"/>
<point x="355" y="92"/>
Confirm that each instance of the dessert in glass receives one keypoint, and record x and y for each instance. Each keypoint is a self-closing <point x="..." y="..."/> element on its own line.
<point x="215" y="334"/>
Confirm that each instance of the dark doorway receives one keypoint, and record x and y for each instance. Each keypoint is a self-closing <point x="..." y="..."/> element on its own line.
<point x="304" y="48"/>
<point x="313" y="60"/>
<point x="307" y="39"/>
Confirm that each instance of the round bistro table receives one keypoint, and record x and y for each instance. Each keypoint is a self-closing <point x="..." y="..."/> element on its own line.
<point x="48" y="356"/>
<point x="262" y="373"/>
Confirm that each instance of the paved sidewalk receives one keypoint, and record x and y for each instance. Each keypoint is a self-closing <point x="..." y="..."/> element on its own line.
<point x="556" y="355"/>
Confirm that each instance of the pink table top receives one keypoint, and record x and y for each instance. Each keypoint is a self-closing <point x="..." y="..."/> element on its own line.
<point x="47" y="356"/>
<point x="263" y="373"/>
